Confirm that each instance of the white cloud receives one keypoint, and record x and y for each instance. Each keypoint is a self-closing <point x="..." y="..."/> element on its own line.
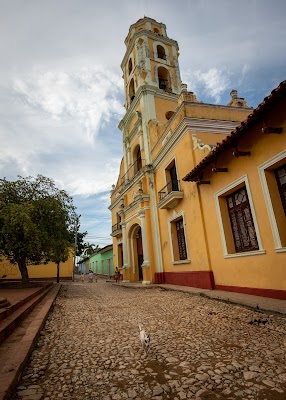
<point x="212" y="82"/>
<point x="64" y="125"/>
<point x="87" y="181"/>
<point x="89" y="96"/>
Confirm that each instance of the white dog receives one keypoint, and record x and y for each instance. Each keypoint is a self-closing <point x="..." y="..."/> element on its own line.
<point x="144" y="338"/>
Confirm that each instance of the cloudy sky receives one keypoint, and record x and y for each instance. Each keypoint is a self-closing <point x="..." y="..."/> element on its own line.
<point x="61" y="86"/>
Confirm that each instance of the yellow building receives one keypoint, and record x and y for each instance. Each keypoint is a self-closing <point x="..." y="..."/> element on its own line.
<point x="243" y="201"/>
<point x="38" y="272"/>
<point x="159" y="225"/>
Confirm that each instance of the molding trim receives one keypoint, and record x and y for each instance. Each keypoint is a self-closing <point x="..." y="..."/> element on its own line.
<point x="246" y="254"/>
<point x="135" y="215"/>
<point x="198" y="144"/>
<point x="145" y="89"/>
<point x="175" y="216"/>
<point x="281" y="250"/>
<point x="149" y="34"/>
<point x="155" y="52"/>
<point x="136" y="128"/>
<point x="191" y="124"/>
<point x="261" y="170"/>
<point x="221" y="193"/>
<point x="182" y="262"/>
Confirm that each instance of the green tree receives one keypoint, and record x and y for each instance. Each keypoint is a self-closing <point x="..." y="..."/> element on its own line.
<point x="35" y="220"/>
<point x="80" y="242"/>
<point x="61" y="245"/>
<point x="88" y="249"/>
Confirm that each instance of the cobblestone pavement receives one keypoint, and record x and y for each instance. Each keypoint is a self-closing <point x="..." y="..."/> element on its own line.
<point x="200" y="348"/>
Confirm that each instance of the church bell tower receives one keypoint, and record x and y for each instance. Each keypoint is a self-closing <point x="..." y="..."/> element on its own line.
<point x="150" y="65"/>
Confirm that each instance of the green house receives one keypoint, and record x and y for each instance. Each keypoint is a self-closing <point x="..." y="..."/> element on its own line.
<point x="101" y="263"/>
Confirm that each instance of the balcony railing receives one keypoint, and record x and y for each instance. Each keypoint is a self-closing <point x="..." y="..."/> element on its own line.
<point x="172" y="186"/>
<point x="116" y="229"/>
<point x="170" y="195"/>
<point x="133" y="170"/>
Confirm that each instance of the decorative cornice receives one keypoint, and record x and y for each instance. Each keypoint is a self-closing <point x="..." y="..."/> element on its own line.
<point x="198" y="144"/>
<point x="135" y="203"/>
<point x="135" y="215"/>
<point x="269" y="102"/>
<point x="149" y="34"/>
<point x="144" y="89"/>
<point x="135" y="129"/>
<point x="125" y="188"/>
<point x="193" y="124"/>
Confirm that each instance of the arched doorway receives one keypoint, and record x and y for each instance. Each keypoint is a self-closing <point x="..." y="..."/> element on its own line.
<point x="140" y="256"/>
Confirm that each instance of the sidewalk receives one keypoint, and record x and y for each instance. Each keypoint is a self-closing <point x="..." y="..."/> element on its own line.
<point x="257" y="302"/>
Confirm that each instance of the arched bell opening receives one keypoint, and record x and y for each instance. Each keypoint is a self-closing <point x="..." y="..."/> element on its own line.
<point x="131" y="90"/>
<point x="164" y="79"/>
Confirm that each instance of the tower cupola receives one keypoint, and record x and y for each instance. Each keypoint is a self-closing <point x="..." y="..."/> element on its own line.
<point x="151" y="59"/>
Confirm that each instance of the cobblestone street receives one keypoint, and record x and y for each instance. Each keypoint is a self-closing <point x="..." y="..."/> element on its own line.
<point x="200" y="348"/>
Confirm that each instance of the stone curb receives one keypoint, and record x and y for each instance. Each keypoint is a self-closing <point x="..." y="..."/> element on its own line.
<point x="249" y="301"/>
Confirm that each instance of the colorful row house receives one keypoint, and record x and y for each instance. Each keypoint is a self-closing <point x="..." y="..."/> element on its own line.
<point x="176" y="216"/>
<point x="101" y="263"/>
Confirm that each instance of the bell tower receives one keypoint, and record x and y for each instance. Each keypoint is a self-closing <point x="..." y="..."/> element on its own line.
<point x="150" y="66"/>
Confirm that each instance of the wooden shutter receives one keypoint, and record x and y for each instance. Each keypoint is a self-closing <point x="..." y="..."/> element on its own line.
<point x="242" y="225"/>
<point x="280" y="174"/>
<point x="174" y="179"/>
<point x="181" y="239"/>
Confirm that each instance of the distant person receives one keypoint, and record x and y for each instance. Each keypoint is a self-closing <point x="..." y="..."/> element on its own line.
<point x="117" y="275"/>
<point x="82" y="277"/>
<point x="90" y="276"/>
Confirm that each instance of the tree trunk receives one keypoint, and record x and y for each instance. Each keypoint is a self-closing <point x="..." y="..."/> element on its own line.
<point x="21" y="261"/>
<point x="58" y="272"/>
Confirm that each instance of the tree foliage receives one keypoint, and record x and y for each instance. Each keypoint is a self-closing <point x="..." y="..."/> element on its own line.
<point x="36" y="219"/>
<point x="80" y="242"/>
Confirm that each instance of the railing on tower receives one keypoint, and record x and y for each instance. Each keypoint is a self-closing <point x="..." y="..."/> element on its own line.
<point x="116" y="227"/>
<point x="172" y="186"/>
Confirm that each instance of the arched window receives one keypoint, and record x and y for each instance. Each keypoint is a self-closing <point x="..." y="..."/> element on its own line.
<point x="130" y="66"/>
<point x="161" y="52"/>
<point x="169" y="114"/>
<point x="156" y="30"/>
<point x="164" y="79"/>
<point x="137" y="160"/>
<point x="131" y="90"/>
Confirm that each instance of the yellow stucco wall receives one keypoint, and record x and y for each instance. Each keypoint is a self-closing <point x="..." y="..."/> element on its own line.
<point x="266" y="270"/>
<point x="188" y="207"/>
<point x="41" y="271"/>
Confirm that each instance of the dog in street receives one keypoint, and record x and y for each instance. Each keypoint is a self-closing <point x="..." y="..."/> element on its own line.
<point x="144" y="339"/>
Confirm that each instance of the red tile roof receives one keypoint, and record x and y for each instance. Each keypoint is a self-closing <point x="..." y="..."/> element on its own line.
<point x="269" y="101"/>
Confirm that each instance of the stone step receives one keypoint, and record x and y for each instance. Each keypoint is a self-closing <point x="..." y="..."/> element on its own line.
<point x="4" y="303"/>
<point x="15" y="351"/>
<point x="4" y="313"/>
<point x="13" y="319"/>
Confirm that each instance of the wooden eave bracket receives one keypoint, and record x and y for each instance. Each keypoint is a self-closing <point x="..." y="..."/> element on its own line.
<point x="202" y="181"/>
<point x="238" y="153"/>
<point x="271" y="129"/>
<point x="217" y="169"/>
